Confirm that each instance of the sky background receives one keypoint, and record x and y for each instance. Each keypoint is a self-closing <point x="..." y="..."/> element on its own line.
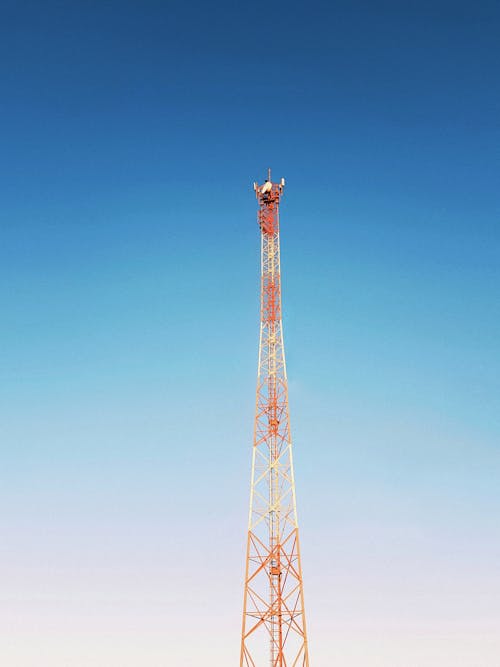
<point x="131" y="134"/>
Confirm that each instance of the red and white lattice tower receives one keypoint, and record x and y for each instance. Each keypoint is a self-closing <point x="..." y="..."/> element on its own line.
<point x="274" y="622"/>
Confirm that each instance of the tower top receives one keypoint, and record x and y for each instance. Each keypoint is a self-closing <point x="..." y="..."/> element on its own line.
<point x="268" y="188"/>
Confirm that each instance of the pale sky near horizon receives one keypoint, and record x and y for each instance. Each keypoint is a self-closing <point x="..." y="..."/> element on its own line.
<point x="129" y="260"/>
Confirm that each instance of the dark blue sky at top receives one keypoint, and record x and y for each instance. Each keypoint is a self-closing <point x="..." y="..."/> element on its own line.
<point x="347" y="93"/>
<point x="131" y="134"/>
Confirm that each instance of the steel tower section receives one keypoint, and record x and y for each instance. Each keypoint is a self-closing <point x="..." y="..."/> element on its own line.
<point x="274" y="623"/>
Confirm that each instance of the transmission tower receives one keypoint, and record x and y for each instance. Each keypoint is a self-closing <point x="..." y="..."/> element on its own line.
<point x="274" y="623"/>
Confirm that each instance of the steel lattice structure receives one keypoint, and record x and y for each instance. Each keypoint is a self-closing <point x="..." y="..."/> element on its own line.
<point x="274" y="623"/>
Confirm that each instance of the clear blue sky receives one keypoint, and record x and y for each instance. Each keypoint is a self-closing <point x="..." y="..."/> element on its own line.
<point x="131" y="134"/>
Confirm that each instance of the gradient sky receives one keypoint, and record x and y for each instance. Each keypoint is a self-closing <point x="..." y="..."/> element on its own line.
<point x="131" y="133"/>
